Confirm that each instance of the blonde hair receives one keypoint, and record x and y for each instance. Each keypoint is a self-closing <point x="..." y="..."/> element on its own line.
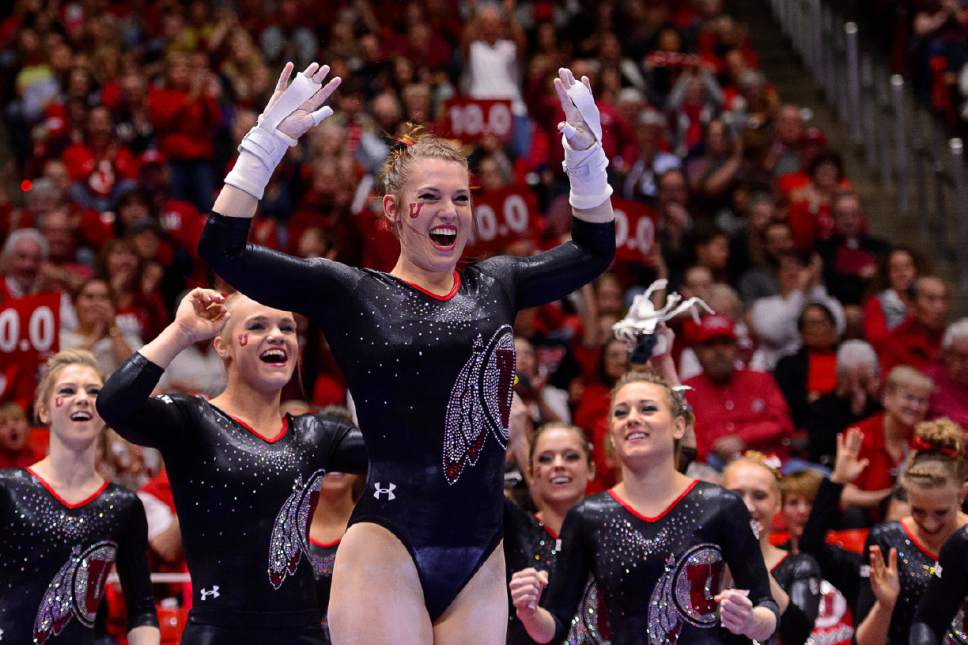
<point x="12" y="412"/>
<point x="53" y="367"/>
<point x="938" y="458"/>
<point x="904" y="376"/>
<point x="677" y="402"/>
<point x="803" y="483"/>
<point x="414" y="143"/>
<point x="757" y="458"/>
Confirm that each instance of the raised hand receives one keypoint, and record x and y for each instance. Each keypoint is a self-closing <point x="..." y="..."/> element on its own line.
<point x="201" y="314"/>
<point x="582" y="126"/>
<point x="885" y="582"/>
<point x="848" y="465"/>
<point x="526" y="587"/>
<point x="309" y="113"/>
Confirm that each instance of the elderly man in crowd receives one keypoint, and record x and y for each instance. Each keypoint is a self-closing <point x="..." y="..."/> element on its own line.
<point x="950" y="397"/>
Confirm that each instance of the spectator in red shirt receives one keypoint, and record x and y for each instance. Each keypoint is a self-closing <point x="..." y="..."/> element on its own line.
<point x="888" y="435"/>
<point x="15" y="449"/>
<point x="185" y="113"/>
<point x="888" y="308"/>
<point x="809" y="213"/>
<point x="917" y="340"/>
<point x="102" y="170"/>
<point x="950" y="396"/>
<point x="736" y="409"/>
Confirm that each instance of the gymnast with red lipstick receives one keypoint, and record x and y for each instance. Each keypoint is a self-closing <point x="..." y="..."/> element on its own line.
<point x="428" y="354"/>
<point x="245" y="478"/>
<point x="64" y="527"/>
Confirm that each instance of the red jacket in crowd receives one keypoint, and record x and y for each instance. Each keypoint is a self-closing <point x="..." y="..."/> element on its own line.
<point x="911" y="343"/>
<point x="184" y="127"/>
<point x="881" y="471"/>
<point x="750" y="406"/>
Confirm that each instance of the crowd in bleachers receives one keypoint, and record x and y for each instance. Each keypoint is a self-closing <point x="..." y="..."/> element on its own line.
<point x="122" y="118"/>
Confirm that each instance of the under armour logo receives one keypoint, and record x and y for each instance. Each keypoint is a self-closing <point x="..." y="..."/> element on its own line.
<point x="213" y="592"/>
<point x="388" y="491"/>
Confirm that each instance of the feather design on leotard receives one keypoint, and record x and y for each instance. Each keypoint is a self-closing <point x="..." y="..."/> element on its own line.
<point x="664" y="621"/>
<point x="479" y="400"/>
<point x="290" y="532"/>
<point x="75" y="591"/>
<point x="55" y="607"/>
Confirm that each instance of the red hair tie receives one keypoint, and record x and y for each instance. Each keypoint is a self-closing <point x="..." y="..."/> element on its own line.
<point x="923" y="445"/>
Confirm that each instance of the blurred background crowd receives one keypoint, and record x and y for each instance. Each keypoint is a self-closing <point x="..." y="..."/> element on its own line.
<point x="121" y="118"/>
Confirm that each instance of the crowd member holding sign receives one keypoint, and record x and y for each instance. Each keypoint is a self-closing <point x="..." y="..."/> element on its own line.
<point x="428" y="529"/>
<point x="64" y="527"/>
<point x="237" y="461"/>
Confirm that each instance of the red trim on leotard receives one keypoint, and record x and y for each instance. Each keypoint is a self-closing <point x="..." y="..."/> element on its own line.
<point x="448" y="296"/>
<point x="658" y="517"/>
<point x="780" y="561"/>
<point x="64" y="502"/>
<point x="546" y="527"/>
<point x="282" y="431"/>
<point x="928" y="552"/>
<point x="325" y="545"/>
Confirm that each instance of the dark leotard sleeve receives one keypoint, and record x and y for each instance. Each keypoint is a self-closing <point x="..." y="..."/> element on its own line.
<point x="126" y="405"/>
<point x="797" y="621"/>
<point x="839" y="567"/>
<point x="946" y="592"/>
<point x="272" y="278"/>
<point x="743" y="556"/>
<point x="551" y="275"/>
<point x="570" y="575"/>
<point x="348" y="454"/>
<point x="132" y="563"/>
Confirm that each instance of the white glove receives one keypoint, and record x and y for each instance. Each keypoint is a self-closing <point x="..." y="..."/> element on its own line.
<point x="292" y="110"/>
<point x="581" y="136"/>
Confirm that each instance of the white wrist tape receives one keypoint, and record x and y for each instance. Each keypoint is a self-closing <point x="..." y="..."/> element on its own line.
<point x="586" y="174"/>
<point x="264" y="146"/>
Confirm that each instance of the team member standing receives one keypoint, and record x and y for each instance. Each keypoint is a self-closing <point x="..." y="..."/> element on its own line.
<point x="795" y="577"/>
<point x="244" y="476"/>
<point x="429" y="356"/>
<point x="657" y="543"/>
<point x="903" y="553"/>
<point x="64" y="527"/>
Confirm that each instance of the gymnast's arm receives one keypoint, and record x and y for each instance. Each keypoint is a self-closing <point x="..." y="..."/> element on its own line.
<point x="135" y="580"/>
<point x="348" y="452"/>
<point x="125" y="402"/>
<point x="797" y="620"/>
<point x="550" y="622"/>
<point x="945" y="595"/>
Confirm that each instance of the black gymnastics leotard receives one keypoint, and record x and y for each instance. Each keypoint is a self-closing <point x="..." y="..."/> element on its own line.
<point x="915" y="565"/>
<point x="530" y="543"/>
<point x="244" y="503"/>
<point x="940" y="616"/>
<point x="322" y="556"/>
<point x="799" y="576"/>
<point x="658" y="576"/>
<point x="55" y="558"/>
<point x="431" y="377"/>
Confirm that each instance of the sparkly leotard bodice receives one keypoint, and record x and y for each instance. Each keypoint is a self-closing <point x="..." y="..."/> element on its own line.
<point x="431" y="378"/>
<point x="55" y="558"/>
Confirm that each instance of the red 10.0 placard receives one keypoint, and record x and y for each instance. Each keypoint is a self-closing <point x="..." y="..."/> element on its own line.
<point x="470" y="119"/>
<point x="635" y="226"/>
<point x="29" y="327"/>
<point x="502" y="217"/>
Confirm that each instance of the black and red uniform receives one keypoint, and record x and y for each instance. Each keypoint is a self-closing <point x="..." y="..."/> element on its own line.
<point x="244" y="504"/>
<point x="55" y="559"/>
<point x="431" y="377"/>
<point x="940" y="616"/>
<point x="658" y="576"/>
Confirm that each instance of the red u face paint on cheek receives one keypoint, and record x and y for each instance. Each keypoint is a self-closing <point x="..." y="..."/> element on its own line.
<point x="415" y="210"/>
<point x="243" y="339"/>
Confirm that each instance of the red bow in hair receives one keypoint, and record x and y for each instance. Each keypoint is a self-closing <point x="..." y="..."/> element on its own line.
<point x="923" y="445"/>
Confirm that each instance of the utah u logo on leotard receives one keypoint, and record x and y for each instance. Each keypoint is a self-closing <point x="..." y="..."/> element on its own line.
<point x="686" y="593"/>
<point x="479" y="401"/>
<point x="290" y="533"/>
<point x="75" y="591"/>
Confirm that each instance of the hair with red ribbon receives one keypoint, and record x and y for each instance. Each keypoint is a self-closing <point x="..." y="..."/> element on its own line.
<point x="923" y="445"/>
